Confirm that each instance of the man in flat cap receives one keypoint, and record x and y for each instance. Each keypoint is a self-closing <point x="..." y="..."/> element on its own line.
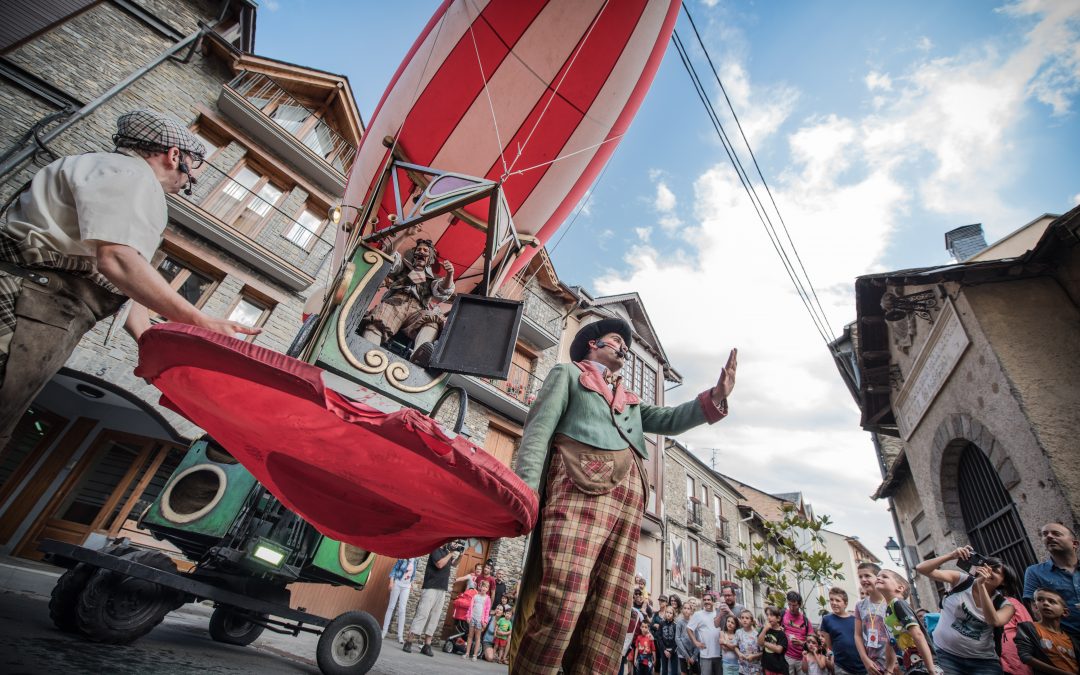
<point x="76" y="244"/>
<point x="582" y="450"/>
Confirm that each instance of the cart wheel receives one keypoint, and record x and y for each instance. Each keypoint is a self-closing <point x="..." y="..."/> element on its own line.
<point x="118" y="609"/>
<point x="234" y="628"/>
<point x="448" y="646"/>
<point x="349" y="645"/>
<point x="65" y="594"/>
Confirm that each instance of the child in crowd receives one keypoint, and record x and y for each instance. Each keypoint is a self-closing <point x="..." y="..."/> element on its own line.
<point x="1010" y="657"/>
<point x="1043" y="645"/>
<point x="814" y="660"/>
<point x="871" y="636"/>
<point x="472" y="578"/>
<point x="502" y="635"/>
<point x="644" y="650"/>
<point x="838" y="635"/>
<point x="915" y="655"/>
<point x="773" y="642"/>
<point x="489" y="633"/>
<point x="667" y="648"/>
<point x="746" y="645"/>
<point x="729" y="659"/>
<point x="687" y="651"/>
<point x="478" y="616"/>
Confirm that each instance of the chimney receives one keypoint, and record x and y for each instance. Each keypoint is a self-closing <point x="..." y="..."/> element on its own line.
<point x="964" y="242"/>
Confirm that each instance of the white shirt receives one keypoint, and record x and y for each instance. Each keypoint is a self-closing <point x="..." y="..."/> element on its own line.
<point x="705" y="630"/>
<point x="79" y="200"/>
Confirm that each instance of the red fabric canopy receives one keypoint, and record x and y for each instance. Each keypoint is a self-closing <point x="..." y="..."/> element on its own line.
<point x="394" y="483"/>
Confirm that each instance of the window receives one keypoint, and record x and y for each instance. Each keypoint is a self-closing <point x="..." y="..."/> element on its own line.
<point x="705" y="495"/>
<point x="304" y="229"/>
<point x="690" y="489"/>
<point x="695" y="557"/>
<point x="648" y="384"/>
<point x="721" y="566"/>
<point x="249" y="312"/>
<point x="192" y="284"/>
<point x="290" y="117"/>
<point x="245" y="200"/>
<point x="919" y="527"/>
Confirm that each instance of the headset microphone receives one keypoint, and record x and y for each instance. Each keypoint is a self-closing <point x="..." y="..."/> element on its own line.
<point x="183" y="167"/>
<point x="621" y="352"/>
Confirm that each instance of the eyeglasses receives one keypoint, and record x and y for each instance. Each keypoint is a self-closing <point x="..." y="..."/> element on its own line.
<point x="194" y="161"/>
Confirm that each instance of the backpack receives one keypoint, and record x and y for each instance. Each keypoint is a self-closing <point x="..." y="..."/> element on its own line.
<point x="997" y="599"/>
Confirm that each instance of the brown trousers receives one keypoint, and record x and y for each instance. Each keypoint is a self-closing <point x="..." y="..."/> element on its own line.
<point x="49" y="322"/>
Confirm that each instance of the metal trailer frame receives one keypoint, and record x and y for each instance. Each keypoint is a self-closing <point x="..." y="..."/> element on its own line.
<point x="63" y="552"/>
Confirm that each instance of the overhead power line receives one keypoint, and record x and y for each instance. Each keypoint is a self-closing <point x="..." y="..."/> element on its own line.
<point x="803" y="286"/>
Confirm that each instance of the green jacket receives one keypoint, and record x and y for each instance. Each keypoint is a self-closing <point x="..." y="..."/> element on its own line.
<point x="571" y="403"/>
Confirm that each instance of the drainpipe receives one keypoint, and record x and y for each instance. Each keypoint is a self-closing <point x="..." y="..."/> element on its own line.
<point x="14" y="160"/>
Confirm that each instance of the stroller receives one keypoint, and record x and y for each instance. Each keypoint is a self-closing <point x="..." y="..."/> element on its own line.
<point x="455" y="643"/>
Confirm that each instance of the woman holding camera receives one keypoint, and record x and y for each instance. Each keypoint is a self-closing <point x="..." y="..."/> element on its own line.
<point x="973" y="612"/>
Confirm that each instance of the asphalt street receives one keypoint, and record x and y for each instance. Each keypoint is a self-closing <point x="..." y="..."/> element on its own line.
<point x="30" y="644"/>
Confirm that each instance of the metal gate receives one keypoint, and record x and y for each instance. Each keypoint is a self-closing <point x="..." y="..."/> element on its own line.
<point x="990" y="516"/>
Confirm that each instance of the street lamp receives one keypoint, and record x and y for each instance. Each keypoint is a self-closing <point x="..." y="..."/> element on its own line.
<point x="894" y="551"/>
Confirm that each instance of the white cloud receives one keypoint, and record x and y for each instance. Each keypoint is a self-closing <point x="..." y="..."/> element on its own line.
<point x="273" y="5"/>
<point x="1076" y="198"/>
<point x="878" y="81"/>
<point x="941" y="139"/>
<point x="643" y="233"/>
<point x="924" y="44"/>
<point x="665" y="198"/>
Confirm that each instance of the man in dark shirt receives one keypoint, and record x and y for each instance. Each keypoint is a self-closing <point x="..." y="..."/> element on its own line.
<point x="429" y="610"/>
<point x="838" y="629"/>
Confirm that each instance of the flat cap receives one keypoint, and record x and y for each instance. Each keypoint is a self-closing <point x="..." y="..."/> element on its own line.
<point x="154" y="131"/>
<point x="579" y="348"/>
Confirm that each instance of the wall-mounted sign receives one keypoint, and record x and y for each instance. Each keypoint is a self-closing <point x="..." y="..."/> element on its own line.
<point x="931" y="368"/>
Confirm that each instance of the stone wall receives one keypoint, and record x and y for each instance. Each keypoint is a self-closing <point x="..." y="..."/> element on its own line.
<point x="1013" y="394"/>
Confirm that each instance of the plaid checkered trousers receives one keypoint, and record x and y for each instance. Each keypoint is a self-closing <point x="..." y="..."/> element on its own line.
<point x="576" y="594"/>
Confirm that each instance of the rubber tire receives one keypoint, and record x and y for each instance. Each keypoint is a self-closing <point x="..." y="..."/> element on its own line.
<point x="65" y="594"/>
<point x="225" y="626"/>
<point x="356" y="621"/>
<point x="99" y="598"/>
<point x="448" y="646"/>
<point x="303" y="336"/>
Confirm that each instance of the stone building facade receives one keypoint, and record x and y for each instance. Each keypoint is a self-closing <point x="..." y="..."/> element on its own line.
<point x="968" y="376"/>
<point x="704" y="530"/>
<point x="251" y="243"/>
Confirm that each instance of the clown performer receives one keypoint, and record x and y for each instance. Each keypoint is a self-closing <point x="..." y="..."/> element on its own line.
<point x="412" y="289"/>
<point x="76" y="243"/>
<point x="583" y="449"/>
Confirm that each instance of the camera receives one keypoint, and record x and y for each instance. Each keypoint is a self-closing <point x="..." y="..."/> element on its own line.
<point x="456" y="546"/>
<point x="976" y="560"/>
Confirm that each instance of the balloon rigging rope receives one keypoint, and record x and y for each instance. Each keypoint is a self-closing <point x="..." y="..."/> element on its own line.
<point x="566" y="156"/>
<point x="554" y="93"/>
<point x="487" y="93"/>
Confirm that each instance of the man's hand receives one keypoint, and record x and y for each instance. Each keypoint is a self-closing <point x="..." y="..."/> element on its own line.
<point x="727" y="378"/>
<point x="872" y="668"/>
<point x="223" y="326"/>
<point x="449" y="267"/>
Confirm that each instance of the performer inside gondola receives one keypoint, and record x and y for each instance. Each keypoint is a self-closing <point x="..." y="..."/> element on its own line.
<point x="409" y="304"/>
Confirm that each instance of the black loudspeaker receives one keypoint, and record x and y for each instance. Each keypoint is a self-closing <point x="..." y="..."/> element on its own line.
<point x="479" y="337"/>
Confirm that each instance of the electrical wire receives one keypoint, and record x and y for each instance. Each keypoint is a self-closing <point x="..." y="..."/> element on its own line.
<point x="747" y="185"/>
<point x="753" y="157"/>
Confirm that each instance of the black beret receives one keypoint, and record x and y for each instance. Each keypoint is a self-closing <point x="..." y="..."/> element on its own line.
<point x="579" y="348"/>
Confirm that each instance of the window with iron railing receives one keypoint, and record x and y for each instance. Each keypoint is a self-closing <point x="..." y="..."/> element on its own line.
<point x="520" y="384"/>
<point x="304" y="124"/>
<point x="693" y="512"/>
<point x="245" y="199"/>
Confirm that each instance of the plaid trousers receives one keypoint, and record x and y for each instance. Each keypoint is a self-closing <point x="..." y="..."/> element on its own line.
<point x="576" y="618"/>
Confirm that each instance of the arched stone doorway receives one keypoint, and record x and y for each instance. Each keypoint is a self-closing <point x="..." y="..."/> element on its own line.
<point x="977" y="477"/>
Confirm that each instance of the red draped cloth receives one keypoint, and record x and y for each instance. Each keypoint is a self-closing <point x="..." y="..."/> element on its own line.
<point x="395" y="483"/>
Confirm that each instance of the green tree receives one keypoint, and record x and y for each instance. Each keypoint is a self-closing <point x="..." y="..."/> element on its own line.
<point x="793" y="550"/>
